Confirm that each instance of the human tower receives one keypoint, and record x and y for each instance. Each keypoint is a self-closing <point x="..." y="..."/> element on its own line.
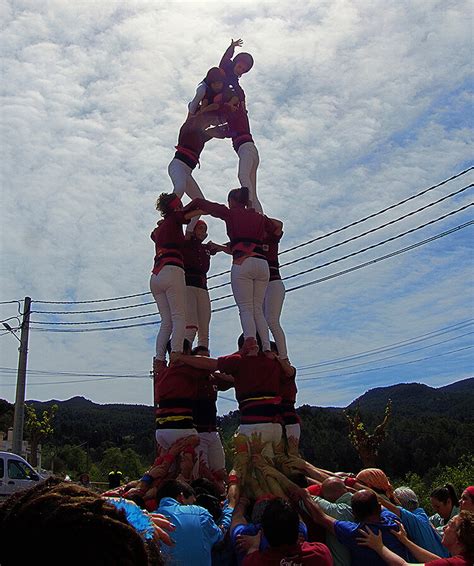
<point x="186" y="385"/>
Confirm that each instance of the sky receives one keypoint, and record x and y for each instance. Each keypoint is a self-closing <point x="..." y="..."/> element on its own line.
<point x="355" y="106"/>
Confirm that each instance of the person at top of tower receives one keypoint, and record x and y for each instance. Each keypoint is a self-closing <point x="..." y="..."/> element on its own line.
<point x="250" y="272"/>
<point x="237" y="123"/>
<point x="235" y="67"/>
<point x="213" y="94"/>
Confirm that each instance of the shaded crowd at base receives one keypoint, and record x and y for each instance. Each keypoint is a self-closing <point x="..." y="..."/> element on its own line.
<point x="342" y="520"/>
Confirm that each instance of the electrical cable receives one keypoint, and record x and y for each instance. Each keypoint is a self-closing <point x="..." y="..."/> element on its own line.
<point x="385" y="367"/>
<point x="307" y="284"/>
<point x="390" y="356"/>
<point x="402" y="343"/>
<point x="345" y="227"/>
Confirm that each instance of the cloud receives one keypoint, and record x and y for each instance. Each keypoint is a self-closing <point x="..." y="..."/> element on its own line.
<point x="354" y="106"/>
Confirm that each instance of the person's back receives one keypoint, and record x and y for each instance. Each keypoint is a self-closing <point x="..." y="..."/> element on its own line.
<point x="195" y="533"/>
<point x="420" y="531"/>
<point x="280" y="525"/>
<point x="346" y="532"/>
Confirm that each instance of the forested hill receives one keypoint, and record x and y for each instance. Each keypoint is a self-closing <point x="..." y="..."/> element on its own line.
<point x="429" y="427"/>
<point x="415" y="398"/>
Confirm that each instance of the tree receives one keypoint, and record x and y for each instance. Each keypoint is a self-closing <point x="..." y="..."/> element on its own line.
<point x="367" y="445"/>
<point x="38" y="429"/>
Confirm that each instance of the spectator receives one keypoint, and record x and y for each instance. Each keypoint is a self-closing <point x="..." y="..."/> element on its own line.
<point x="196" y="531"/>
<point x="280" y="528"/>
<point x="466" y="503"/>
<point x="458" y="538"/>
<point x="367" y="511"/>
<point x="335" y="501"/>
<point x="115" y="478"/>
<point x="245" y="535"/>
<point x="377" y="481"/>
<point x="64" y="523"/>
<point x="443" y="501"/>
<point x="416" y="521"/>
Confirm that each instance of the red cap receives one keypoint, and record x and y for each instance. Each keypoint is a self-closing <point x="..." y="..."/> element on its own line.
<point x="470" y="490"/>
<point x="314" y="489"/>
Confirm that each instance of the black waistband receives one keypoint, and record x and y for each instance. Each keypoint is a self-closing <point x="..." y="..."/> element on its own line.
<point x="185" y="159"/>
<point x="178" y="402"/>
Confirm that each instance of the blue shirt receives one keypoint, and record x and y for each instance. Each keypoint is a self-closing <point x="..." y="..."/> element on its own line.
<point x="195" y="534"/>
<point x="346" y="532"/>
<point x="252" y="529"/>
<point x="420" y="531"/>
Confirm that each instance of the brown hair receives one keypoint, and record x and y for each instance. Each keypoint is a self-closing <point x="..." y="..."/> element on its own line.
<point x="465" y="532"/>
<point x="240" y="196"/>
<point x="66" y="523"/>
<point x="163" y="203"/>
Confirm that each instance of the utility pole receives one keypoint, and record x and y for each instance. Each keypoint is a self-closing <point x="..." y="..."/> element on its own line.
<point x="19" y="417"/>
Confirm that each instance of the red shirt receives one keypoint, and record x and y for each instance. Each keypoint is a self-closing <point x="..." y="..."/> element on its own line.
<point x="270" y="247"/>
<point x="306" y="553"/>
<point x="288" y="391"/>
<point x="246" y="228"/>
<point x="454" y="561"/>
<point x="239" y="126"/>
<point x="191" y="140"/>
<point x="169" y="240"/>
<point x="204" y="408"/>
<point x="257" y="386"/>
<point x="176" y="389"/>
<point x="197" y="260"/>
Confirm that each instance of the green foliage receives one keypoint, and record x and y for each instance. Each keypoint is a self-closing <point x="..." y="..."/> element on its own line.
<point x="459" y="474"/>
<point x="127" y="461"/>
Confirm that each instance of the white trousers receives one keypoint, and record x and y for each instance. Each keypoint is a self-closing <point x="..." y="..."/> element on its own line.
<point x="183" y="182"/>
<point x="198" y="315"/>
<point x="211" y="450"/>
<point x="169" y="290"/>
<point x="272" y="306"/>
<point x="166" y="437"/>
<point x="293" y="430"/>
<point x="248" y="164"/>
<point x="249" y="282"/>
<point x="271" y="434"/>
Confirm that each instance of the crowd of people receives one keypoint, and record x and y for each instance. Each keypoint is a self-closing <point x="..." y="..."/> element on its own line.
<point x="273" y="507"/>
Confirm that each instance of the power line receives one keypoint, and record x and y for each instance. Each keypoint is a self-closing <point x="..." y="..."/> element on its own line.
<point x="399" y="203"/>
<point x="373" y="215"/>
<point x="309" y="283"/>
<point x="412" y="340"/>
<point x="96" y="321"/>
<point x="385" y="367"/>
<point x="382" y="258"/>
<point x="96" y="310"/>
<point x="387" y="347"/>
<point x="299" y="379"/>
<point x="392" y="355"/>
<point x="377" y="244"/>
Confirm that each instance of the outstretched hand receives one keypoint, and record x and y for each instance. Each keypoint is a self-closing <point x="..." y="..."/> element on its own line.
<point x="367" y="537"/>
<point x="236" y="43"/>
<point x="162" y="527"/>
<point x="401" y="534"/>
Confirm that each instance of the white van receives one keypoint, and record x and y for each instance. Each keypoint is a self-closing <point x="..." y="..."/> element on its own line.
<point x="15" y="474"/>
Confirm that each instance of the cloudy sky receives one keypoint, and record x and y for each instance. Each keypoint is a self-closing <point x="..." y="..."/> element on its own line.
<point x="355" y="106"/>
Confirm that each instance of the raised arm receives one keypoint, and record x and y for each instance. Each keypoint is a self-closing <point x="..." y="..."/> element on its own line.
<point x="208" y="207"/>
<point x="199" y="362"/>
<point x="229" y="52"/>
<point x="316" y="513"/>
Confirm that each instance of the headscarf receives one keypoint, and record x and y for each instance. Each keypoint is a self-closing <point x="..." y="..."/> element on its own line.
<point x="377" y="480"/>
